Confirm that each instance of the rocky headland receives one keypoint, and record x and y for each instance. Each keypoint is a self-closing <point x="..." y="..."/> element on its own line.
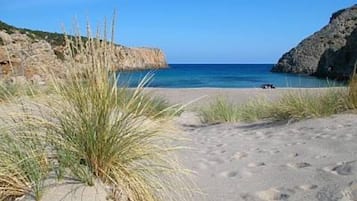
<point x="330" y="52"/>
<point x="23" y="52"/>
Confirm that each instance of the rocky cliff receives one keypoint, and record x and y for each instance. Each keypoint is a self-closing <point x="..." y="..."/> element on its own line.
<point x="330" y="52"/>
<point x="23" y="52"/>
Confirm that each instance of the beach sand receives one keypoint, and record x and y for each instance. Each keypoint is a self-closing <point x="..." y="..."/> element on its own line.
<point x="310" y="160"/>
<point x="314" y="159"/>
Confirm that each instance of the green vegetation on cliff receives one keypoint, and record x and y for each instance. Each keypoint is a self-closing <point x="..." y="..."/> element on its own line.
<point x="55" y="39"/>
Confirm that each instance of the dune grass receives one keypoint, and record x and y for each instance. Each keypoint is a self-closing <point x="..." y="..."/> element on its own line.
<point x="10" y="91"/>
<point x="294" y="105"/>
<point x="100" y="131"/>
<point x="24" y="165"/>
<point x="220" y="111"/>
<point x="145" y="104"/>
<point x="352" y="92"/>
<point x="304" y="105"/>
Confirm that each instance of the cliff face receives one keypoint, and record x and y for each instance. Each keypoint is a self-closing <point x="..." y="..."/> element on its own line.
<point x="24" y="52"/>
<point x="20" y="56"/>
<point x="330" y="52"/>
<point x="140" y="58"/>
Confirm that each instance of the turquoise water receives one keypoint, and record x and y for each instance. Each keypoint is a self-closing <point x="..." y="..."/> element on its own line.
<point x="222" y="76"/>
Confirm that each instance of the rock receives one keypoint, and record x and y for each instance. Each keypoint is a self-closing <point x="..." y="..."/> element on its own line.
<point x="139" y="58"/>
<point x="27" y="53"/>
<point x="330" y="52"/>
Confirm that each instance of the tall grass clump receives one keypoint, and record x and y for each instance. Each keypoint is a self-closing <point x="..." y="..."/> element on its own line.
<point x="9" y="91"/>
<point x="352" y="92"/>
<point x="220" y="111"/>
<point x="97" y="132"/>
<point x="303" y="104"/>
<point x="24" y="165"/>
<point x="256" y="109"/>
<point x="145" y="104"/>
<point x="294" y="105"/>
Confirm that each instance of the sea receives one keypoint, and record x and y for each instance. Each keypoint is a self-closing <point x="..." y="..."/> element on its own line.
<point x="221" y="76"/>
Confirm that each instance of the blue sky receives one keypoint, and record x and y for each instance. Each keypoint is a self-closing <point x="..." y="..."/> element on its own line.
<point x="188" y="31"/>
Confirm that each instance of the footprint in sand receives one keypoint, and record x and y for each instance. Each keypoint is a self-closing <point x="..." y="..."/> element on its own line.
<point x="307" y="187"/>
<point x="229" y="174"/>
<point x="320" y="156"/>
<point x="220" y="145"/>
<point x="239" y="155"/>
<point x="274" y="151"/>
<point x="293" y="155"/>
<point x="298" y="165"/>
<point x="272" y="194"/>
<point x="345" y="168"/>
<point x="215" y="161"/>
<point x="258" y="164"/>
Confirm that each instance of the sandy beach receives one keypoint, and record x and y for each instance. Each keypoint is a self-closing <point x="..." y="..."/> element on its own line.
<point x="309" y="160"/>
<point x="312" y="160"/>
